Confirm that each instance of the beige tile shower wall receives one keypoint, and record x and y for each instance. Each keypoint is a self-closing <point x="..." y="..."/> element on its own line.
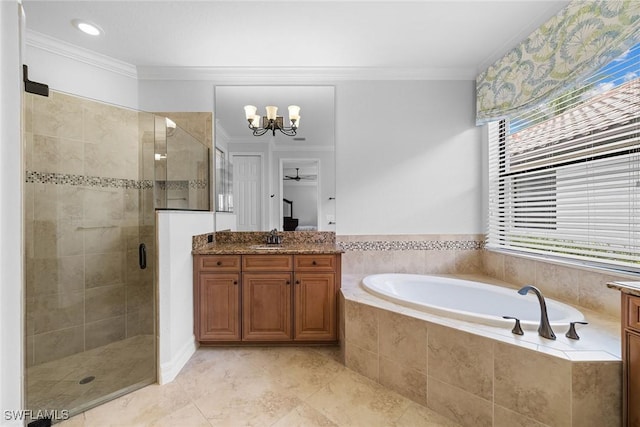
<point x="197" y="124"/>
<point x="416" y="254"/>
<point x="474" y="380"/>
<point x="81" y="223"/>
<point x="573" y="285"/>
<point x="187" y="165"/>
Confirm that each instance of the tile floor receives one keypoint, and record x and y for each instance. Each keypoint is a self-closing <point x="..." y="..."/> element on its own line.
<point x="56" y="385"/>
<point x="262" y="386"/>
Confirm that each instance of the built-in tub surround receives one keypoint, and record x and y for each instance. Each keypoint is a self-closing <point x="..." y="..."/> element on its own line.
<point x="469" y="300"/>
<point x="412" y="253"/>
<point x="578" y="286"/>
<point x="481" y="375"/>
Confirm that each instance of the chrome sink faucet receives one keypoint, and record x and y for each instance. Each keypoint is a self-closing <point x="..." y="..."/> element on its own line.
<point x="273" y="238"/>
<point x="544" y="330"/>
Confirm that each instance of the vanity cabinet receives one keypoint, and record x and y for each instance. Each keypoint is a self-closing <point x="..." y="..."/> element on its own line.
<point x="315" y="297"/>
<point x="260" y="298"/>
<point x="266" y="306"/>
<point x="631" y="359"/>
<point x="217" y="297"/>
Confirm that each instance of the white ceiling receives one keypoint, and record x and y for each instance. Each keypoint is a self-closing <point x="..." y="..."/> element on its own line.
<point x="434" y="39"/>
<point x="420" y="39"/>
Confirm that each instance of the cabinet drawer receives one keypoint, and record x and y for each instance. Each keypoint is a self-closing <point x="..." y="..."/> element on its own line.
<point x="633" y="312"/>
<point x="267" y="263"/>
<point x="219" y="263"/>
<point x="315" y="262"/>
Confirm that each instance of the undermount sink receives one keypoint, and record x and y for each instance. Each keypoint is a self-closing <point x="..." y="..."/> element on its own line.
<point x="266" y="247"/>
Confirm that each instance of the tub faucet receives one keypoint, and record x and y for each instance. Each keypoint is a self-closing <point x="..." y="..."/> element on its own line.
<point x="544" y="330"/>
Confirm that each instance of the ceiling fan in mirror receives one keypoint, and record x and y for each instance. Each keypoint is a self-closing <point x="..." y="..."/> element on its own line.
<point x="299" y="177"/>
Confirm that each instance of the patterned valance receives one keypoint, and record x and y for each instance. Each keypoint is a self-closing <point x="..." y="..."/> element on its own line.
<point x="581" y="38"/>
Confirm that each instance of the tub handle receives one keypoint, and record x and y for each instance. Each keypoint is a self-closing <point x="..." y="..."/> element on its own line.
<point x="517" y="329"/>
<point x="571" y="333"/>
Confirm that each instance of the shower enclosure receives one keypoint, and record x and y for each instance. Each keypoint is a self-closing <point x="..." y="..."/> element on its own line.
<point x="181" y="168"/>
<point x="90" y="250"/>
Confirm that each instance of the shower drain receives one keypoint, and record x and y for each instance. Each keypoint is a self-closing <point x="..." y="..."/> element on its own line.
<point x="87" y="380"/>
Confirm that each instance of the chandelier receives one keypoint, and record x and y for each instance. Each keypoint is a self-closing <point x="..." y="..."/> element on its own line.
<point x="272" y="122"/>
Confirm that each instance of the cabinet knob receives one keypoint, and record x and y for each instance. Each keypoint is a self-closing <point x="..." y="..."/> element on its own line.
<point x="288" y="282"/>
<point x="219" y="263"/>
<point x="235" y="282"/>
<point x="313" y="263"/>
<point x="297" y="282"/>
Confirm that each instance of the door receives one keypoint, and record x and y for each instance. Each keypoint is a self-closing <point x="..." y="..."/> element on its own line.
<point x="89" y="252"/>
<point x="633" y="379"/>
<point x="300" y="206"/>
<point x="219" y="299"/>
<point x="247" y="190"/>
<point x="315" y="307"/>
<point x="266" y="306"/>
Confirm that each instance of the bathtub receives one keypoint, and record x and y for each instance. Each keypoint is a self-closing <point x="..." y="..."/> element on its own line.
<point x="468" y="300"/>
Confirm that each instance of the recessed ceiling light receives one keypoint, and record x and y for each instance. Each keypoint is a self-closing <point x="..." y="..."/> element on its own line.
<point x="87" y="27"/>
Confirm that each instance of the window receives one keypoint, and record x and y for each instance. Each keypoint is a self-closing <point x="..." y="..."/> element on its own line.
<point x="224" y="183"/>
<point x="564" y="177"/>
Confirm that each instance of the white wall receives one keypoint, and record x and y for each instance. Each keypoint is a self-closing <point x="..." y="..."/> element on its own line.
<point x="81" y="73"/>
<point x="11" y="244"/>
<point x="409" y="163"/>
<point x="175" y="288"/>
<point x="175" y="95"/>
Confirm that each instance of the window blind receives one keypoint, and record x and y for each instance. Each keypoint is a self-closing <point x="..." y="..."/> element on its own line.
<point x="564" y="176"/>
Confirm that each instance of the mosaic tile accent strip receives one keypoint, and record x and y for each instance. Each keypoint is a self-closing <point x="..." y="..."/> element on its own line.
<point x="89" y="181"/>
<point x="413" y="245"/>
<point x="198" y="184"/>
<point x="182" y="185"/>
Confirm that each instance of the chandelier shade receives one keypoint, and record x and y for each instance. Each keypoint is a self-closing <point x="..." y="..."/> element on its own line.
<point x="271" y="121"/>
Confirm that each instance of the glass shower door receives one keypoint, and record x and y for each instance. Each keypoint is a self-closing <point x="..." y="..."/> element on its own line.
<point x="89" y="253"/>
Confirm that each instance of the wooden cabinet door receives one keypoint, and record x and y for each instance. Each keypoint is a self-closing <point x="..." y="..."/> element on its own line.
<point x="266" y="306"/>
<point x="633" y="312"/>
<point x="315" y="307"/>
<point x="218" y="311"/>
<point x="633" y="379"/>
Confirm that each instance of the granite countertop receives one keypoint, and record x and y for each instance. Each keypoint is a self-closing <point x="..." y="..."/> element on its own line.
<point x="632" y="288"/>
<point x="257" y="248"/>
<point x="254" y="242"/>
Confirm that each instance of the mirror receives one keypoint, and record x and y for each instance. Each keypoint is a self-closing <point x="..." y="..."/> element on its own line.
<point x="299" y="179"/>
<point x="275" y="181"/>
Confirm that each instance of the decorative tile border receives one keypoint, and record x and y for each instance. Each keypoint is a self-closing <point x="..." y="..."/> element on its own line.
<point x="182" y="185"/>
<point x="89" y="181"/>
<point x="413" y="245"/>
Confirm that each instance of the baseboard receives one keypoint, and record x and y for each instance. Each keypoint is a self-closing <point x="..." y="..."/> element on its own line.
<point x="170" y="370"/>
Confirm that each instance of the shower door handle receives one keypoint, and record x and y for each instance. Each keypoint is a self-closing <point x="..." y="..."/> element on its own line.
<point x="142" y="256"/>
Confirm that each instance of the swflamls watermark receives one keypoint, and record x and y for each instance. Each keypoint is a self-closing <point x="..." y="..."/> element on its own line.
<point x="29" y="414"/>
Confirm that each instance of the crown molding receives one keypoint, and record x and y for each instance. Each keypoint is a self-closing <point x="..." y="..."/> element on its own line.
<point x="273" y="75"/>
<point x="222" y="131"/>
<point x="243" y="75"/>
<point x="68" y="50"/>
